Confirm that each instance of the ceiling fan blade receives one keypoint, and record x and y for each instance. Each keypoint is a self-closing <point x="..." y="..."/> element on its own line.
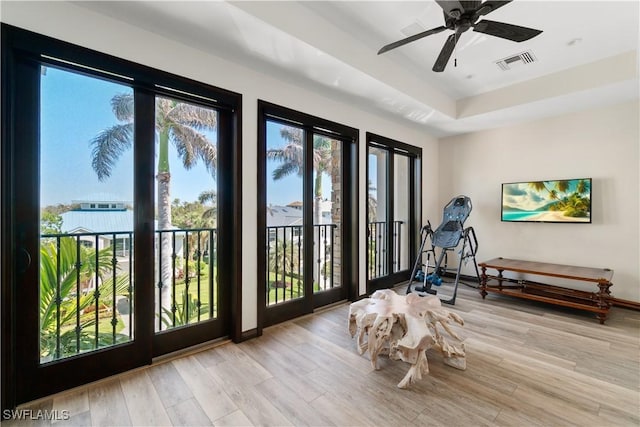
<point x="445" y="53"/>
<point x="450" y="5"/>
<point x="489" y="6"/>
<point x="410" y="39"/>
<point x="515" y="33"/>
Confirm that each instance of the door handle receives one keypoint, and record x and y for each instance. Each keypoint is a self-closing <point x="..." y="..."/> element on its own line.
<point x="24" y="260"/>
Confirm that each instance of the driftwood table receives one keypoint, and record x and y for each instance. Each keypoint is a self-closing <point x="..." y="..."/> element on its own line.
<point x="405" y="327"/>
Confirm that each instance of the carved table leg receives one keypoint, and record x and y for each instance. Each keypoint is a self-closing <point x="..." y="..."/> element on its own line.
<point x="483" y="282"/>
<point x="604" y="301"/>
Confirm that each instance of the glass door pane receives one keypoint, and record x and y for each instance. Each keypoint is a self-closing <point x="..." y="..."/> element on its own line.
<point x="377" y="201"/>
<point x="86" y="214"/>
<point x="327" y="213"/>
<point x="186" y="214"/>
<point x="401" y="211"/>
<point x="285" y="168"/>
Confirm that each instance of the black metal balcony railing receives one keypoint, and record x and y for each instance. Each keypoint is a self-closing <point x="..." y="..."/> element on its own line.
<point x="87" y="287"/>
<point x="188" y="305"/>
<point x="79" y="290"/>
<point x="285" y="261"/>
<point x="378" y="248"/>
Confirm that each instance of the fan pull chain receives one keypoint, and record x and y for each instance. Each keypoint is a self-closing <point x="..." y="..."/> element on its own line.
<point x="455" y="50"/>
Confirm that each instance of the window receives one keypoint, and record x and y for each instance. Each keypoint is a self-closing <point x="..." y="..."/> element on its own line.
<point x="393" y="209"/>
<point x="88" y="275"/>
<point x="307" y="212"/>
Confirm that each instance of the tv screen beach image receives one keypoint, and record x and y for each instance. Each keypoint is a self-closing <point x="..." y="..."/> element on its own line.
<point x="547" y="201"/>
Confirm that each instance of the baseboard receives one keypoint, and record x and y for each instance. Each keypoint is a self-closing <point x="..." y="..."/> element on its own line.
<point x="633" y="305"/>
<point x="248" y="334"/>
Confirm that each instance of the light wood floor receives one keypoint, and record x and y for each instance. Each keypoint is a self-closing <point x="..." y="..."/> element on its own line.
<point x="527" y="364"/>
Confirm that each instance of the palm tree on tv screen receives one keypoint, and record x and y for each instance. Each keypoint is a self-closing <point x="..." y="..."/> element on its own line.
<point x="178" y="123"/>
<point x="572" y="204"/>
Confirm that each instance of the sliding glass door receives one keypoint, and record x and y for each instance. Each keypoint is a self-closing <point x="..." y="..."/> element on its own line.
<point x="393" y="210"/>
<point x="119" y="194"/>
<point x="306" y="261"/>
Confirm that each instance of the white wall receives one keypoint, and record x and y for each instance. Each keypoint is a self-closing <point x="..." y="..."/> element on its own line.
<point x="81" y="26"/>
<point x="599" y="143"/>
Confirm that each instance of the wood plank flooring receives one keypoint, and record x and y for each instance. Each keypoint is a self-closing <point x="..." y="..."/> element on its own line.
<point x="528" y="364"/>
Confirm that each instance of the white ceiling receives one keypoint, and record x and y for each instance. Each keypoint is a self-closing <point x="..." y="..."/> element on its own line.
<point x="333" y="46"/>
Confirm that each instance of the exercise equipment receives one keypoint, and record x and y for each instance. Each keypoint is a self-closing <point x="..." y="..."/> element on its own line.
<point x="431" y="263"/>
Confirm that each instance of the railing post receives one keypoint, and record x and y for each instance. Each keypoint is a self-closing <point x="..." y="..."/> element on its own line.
<point x="96" y="293"/>
<point x="78" y="293"/>
<point x="58" y="298"/>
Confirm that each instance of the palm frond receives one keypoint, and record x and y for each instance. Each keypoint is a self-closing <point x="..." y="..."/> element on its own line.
<point x="192" y="145"/>
<point x="322" y="143"/>
<point x="290" y="153"/>
<point x="583" y="186"/>
<point x="208" y="196"/>
<point x="193" y="116"/>
<point x="122" y="106"/>
<point x="286" y="169"/>
<point x="563" y="185"/>
<point x="108" y="146"/>
<point x="538" y="186"/>
<point x="210" y="213"/>
<point x="291" y="134"/>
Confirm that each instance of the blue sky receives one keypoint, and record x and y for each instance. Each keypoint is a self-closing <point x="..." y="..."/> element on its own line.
<point x="287" y="189"/>
<point x="76" y="108"/>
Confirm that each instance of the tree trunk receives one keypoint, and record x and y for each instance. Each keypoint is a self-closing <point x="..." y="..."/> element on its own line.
<point x="317" y="199"/>
<point x="165" y="269"/>
<point x="317" y="220"/>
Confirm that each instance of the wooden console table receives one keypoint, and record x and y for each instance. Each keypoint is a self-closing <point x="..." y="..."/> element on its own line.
<point x="598" y="302"/>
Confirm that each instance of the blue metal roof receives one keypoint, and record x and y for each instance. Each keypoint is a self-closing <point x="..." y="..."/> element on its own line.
<point x="97" y="221"/>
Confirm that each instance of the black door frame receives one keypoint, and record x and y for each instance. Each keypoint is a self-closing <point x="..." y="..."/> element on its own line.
<point x="349" y="193"/>
<point x="22" y="54"/>
<point x="393" y="147"/>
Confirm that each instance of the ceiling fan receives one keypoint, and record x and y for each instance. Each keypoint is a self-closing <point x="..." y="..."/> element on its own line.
<point x="462" y="15"/>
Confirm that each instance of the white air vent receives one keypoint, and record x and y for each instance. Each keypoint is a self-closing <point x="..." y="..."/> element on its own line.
<point x="510" y="62"/>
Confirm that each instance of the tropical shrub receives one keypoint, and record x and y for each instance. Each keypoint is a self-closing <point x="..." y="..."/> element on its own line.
<point x="185" y="313"/>
<point x="60" y="305"/>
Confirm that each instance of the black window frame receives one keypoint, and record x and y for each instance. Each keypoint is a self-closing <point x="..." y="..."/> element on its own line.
<point x="394" y="147"/>
<point x="20" y="46"/>
<point x="268" y="111"/>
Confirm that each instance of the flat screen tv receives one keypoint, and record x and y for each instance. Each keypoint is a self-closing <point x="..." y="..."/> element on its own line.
<point x="564" y="200"/>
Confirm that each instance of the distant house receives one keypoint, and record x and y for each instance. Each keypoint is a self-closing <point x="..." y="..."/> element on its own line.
<point x="291" y="214"/>
<point x="105" y="221"/>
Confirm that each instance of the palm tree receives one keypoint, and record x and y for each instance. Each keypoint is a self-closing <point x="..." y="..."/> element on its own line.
<point x="181" y="124"/>
<point x="291" y="156"/>
<point x="572" y="205"/>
